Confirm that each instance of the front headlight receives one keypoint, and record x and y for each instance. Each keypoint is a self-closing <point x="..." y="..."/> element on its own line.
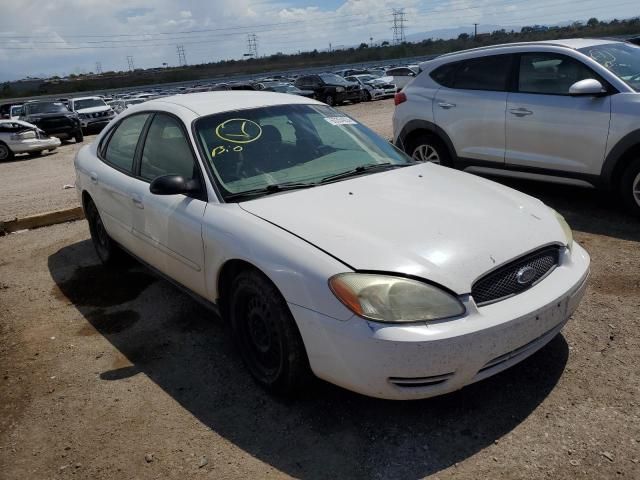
<point x="386" y="298"/>
<point x="568" y="234"/>
<point x="339" y="89"/>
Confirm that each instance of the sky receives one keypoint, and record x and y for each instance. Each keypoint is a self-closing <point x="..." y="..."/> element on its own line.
<point x="59" y="37"/>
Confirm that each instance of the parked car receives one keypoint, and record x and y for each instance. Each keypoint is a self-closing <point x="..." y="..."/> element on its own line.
<point x="15" y="111"/>
<point x="54" y="118"/>
<point x="290" y="89"/>
<point x="563" y="108"/>
<point x="17" y="136"/>
<point x="402" y="76"/>
<point x="93" y="112"/>
<point x="374" y="88"/>
<point x="327" y="249"/>
<point x="330" y="88"/>
<point x="5" y="110"/>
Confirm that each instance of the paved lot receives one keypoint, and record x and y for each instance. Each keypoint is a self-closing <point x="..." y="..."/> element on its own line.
<point x="36" y="185"/>
<point x="119" y="375"/>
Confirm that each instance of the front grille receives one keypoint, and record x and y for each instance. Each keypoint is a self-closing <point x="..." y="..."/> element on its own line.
<point x="503" y="282"/>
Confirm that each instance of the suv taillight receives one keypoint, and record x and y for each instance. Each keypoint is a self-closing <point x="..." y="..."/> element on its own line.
<point x="399" y="98"/>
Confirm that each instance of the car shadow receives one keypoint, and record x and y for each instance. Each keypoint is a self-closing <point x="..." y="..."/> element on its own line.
<point x="585" y="209"/>
<point x="329" y="432"/>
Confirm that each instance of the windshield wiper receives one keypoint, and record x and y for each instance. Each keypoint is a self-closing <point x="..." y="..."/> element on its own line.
<point x="268" y="190"/>
<point x="363" y="169"/>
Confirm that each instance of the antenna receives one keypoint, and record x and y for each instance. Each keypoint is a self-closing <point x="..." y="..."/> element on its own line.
<point x="130" y="62"/>
<point x="182" y="58"/>
<point x="398" y="26"/>
<point x="252" y="45"/>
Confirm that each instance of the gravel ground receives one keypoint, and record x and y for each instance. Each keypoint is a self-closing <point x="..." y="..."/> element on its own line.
<point x="36" y="185"/>
<point x="119" y="375"/>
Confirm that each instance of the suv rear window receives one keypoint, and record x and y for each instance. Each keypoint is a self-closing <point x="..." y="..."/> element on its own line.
<point x="443" y="75"/>
<point x="484" y="73"/>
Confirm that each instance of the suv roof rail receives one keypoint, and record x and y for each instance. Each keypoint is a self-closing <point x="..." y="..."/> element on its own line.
<point x="499" y="45"/>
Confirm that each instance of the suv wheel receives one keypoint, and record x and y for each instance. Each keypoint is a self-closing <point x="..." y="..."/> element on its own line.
<point x="266" y="335"/>
<point x="329" y="100"/>
<point x="429" y="148"/>
<point x="79" y="136"/>
<point x="630" y="186"/>
<point x="5" y="152"/>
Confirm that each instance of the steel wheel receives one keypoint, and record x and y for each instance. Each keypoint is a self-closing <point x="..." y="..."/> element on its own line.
<point x="426" y="153"/>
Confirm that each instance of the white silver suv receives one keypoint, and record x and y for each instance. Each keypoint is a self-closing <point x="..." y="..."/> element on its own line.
<point x="566" y="109"/>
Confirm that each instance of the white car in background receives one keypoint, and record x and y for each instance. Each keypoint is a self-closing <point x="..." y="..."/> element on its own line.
<point x="402" y="76"/>
<point x="93" y="112"/>
<point x="374" y="88"/>
<point x="326" y="248"/>
<point x="17" y="136"/>
<point x="15" y="111"/>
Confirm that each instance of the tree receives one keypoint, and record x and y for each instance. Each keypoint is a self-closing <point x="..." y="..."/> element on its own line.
<point x="384" y="44"/>
<point x="593" y="22"/>
<point x="362" y="46"/>
<point x="463" y="36"/>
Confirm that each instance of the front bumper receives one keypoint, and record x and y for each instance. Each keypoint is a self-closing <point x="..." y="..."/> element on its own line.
<point x="35" y="145"/>
<point x="424" y="360"/>
<point x="95" y="122"/>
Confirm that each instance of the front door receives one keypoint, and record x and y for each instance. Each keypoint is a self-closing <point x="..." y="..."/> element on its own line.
<point x="549" y="129"/>
<point x="168" y="228"/>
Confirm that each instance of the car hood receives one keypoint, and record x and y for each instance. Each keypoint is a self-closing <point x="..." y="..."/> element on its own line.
<point x="94" y="109"/>
<point x="425" y="220"/>
<point x="382" y="80"/>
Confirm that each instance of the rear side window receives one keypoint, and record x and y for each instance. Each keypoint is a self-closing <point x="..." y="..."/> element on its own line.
<point x="444" y="74"/>
<point x="485" y="73"/>
<point x="551" y="73"/>
<point x="122" y="144"/>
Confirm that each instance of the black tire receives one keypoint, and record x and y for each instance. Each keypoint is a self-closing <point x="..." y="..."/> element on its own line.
<point x="79" y="136"/>
<point x="107" y="250"/>
<point x="367" y="96"/>
<point x="267" y="336"/>
<point x="329" y="100"/>
<point x="427" y="147"/>
<point x="5" y="152"/>
<point x="630" y="187"/>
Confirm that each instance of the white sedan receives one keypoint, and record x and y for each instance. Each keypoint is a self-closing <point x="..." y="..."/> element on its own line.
<point x="17" y="136"/>
<point x="327" y="249"/>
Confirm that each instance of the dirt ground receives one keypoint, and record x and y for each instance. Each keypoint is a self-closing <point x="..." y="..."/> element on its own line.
<point x="37" y="185"/>
<point x="118" y="375"/>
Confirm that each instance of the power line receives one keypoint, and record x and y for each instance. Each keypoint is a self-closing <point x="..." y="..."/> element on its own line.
<point x="130" y="63"/>
<point x="182" y="58"/>
<point x="398" y="26"/>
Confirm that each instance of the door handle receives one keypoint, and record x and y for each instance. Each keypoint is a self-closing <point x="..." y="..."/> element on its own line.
<point x="94" y="177"/>
<point x="520" y="112"/>
<point x="446" y="105"/>
<point x="137" y="200"/>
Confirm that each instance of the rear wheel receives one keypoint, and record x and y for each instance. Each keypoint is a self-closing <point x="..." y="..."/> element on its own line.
<point x="5" y="152"/>
<point x="367" y="96"/>
<point x="266" y="335"/>
<point x="630" y="186"/>
<point x="429" y="148"/>
<point x="329" y="100"/>
<point x="107" y="250"/>
<point x="79" y="137"/>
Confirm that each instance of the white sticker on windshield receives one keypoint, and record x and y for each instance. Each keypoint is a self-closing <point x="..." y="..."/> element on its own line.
<point x="340" y="121"/>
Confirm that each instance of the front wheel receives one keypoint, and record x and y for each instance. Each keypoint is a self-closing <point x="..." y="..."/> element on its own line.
<point x="266" y="335"/>
<point x="79" y="136"/>
<point x="5" y="152"/>
<point x="429" y="148"/>
<point x="329" y="100"/>
<point x="630" y="186"/>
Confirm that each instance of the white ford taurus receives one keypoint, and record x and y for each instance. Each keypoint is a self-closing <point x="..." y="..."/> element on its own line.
<point x="328" y="249"/>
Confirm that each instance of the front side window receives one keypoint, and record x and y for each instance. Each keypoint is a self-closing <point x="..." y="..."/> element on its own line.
<point x="285" y="144"/>
<point x="621" y="59"/>
<point x="166" y="150"/>
<point x="550" y="73"/>
<point x="122" y="145"/>
<point x="484" y="73"/>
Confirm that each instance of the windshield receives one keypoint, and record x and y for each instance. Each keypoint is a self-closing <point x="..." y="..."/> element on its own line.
<point x="256" y="148"/>
<point x="622" y="59"/>
<point x="333" y="79"/>
<point x="46" y="107"/>
<point x="88" y="103"/>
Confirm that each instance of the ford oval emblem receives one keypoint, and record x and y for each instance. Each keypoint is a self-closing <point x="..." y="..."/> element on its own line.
<point x="525" y="275"/>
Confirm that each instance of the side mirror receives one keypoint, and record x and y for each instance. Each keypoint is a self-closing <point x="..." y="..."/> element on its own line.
<point x="589" y="87"/>
<point x="173" y="185"/>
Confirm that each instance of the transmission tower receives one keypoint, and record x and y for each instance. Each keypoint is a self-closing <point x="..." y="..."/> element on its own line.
<point x="182" y="58"/>
<point x="398" y="25"/>
<point x="99" y="68"/>
<point x="252" y="44"/>
<point x="130" y="62"/>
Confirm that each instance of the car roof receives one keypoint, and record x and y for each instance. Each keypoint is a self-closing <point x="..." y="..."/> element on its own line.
<point x="207" y="103"/>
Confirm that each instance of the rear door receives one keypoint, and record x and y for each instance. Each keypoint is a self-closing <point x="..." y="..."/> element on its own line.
<point x="470" y="107"/>
<point x="549" y="129"/>
<point x="167" y="229"/>
<point x="111" y="178"/>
